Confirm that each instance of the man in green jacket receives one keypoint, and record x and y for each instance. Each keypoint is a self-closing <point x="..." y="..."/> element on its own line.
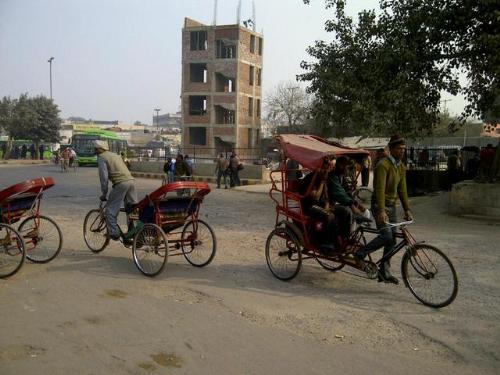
<point x="389" y="183"/>
<point x="112" y="168"/>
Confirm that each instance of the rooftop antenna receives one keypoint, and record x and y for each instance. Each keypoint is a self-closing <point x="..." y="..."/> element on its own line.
<point x="254" y="21"/>
<point x="215" y="13"/>
<point x="238" y="13"/>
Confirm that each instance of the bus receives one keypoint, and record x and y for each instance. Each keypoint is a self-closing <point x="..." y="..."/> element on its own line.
<point x="83" y="144"/>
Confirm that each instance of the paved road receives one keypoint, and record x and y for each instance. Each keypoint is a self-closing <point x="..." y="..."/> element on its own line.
<point x="96" y="314"/>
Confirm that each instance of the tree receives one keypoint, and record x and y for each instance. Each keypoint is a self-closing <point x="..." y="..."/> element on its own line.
<point x="386" y="72"/>
<point x="36" y="119"/>
<point x="288" y="105"/>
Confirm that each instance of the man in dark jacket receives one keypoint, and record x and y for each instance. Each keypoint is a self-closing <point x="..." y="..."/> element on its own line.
<point x="344" y="205"/>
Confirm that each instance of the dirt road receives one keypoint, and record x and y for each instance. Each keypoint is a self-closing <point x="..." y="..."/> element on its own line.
<point x="96" y="314"/>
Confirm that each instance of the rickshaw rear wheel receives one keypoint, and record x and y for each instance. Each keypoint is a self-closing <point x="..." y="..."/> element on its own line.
<point x="283" y="254"/>
<point x="12" y="251"/>
<point x="95" y="231"/>
<point x="42" y="237"/>
<point x="198" y="243"/>
<point x="150" y="249"/>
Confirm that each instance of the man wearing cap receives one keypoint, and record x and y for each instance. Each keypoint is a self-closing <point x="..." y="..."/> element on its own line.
<point x="389" y="183"/>
<point x="113" y="168"/>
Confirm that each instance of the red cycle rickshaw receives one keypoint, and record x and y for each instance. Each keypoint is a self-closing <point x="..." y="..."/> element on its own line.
<point x="426" y="270"/>
<point x="165" y="224"/>
<point x="37" y="238"/>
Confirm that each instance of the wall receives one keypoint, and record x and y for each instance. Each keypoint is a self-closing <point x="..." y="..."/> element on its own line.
<point x="472" y="198"/>
<point x="250" y="171"/>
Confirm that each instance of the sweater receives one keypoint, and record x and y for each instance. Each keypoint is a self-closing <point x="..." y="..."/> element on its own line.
<point x="112" y="167"/>
<point x="389" y="182"/>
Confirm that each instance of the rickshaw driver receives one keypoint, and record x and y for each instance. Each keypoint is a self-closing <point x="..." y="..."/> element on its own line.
<point x="112" y="167"/>
<point x="389" y="182"/>
<point x="315" y="204"/>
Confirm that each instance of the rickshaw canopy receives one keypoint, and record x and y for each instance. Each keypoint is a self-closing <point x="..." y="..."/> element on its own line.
<point x="309" y="150"/>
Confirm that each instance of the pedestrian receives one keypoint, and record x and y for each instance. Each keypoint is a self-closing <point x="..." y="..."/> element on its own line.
<point x="16" y="152"/>
<point x="181" y="173"/>
<point x="472" y="166"/>
<point x="365" y="171"/>
<point x="454" y="168"/>
<point x="41" y="150"/>
<point x="4" y="150"/>
<point x="220" y="169"/>
<point x="167" y="169"/>
<point x="487" y="156"/>
<point x="24" y="151"/>
<point x="389" y="183"/>
<point x="189" y="164"/>
<point x="293" y="174"/>
<point x="113" y="169"/>
<point x="235" y="166"/>
<point x="33" y="151"/>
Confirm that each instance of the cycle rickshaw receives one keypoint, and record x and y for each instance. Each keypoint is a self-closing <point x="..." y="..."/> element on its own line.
<point x="426" y="270"/>
<point x="162" y="224"/>
<point x="37" y="238"/>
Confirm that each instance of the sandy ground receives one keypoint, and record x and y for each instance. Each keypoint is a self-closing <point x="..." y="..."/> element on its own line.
<point x="96" y="314"/>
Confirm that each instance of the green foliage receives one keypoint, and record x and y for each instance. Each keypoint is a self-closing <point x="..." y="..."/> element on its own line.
<point x="36" y="118"/>
<point x="385" y="73"/>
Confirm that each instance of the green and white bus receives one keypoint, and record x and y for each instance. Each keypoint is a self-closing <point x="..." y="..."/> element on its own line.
<point x="83" y="144"/>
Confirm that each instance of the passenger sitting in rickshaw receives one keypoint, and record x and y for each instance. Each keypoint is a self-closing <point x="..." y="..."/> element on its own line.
<point x="343" y="205"/>
<point x="315" y="204"/>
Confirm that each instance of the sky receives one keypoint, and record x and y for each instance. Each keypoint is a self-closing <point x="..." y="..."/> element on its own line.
<point x="120" y="59"/>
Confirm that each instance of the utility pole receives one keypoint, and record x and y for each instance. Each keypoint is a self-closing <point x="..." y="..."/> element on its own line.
<point x="50" y="63"/>
<point x="157" y="124"/>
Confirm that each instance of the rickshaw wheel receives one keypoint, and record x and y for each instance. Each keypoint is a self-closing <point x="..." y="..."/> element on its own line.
<point x="329" y="263"/>
<point x="42" y="237"/>
<point x="12" y="251"/>
<point x="150" y="249"/>
<point x="95" y="232"/>
<point x="198" y="243"/>
<point x="283" y="254"/>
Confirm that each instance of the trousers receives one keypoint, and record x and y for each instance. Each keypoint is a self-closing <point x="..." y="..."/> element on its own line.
<point x="121" y="192"/>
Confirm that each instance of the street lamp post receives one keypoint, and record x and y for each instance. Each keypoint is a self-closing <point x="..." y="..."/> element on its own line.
<point x="157" y="124"/>
<point x="50" y="63"/>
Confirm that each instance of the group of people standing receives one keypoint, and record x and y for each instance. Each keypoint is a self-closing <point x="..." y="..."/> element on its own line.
<point x="22" y="152"/>
<point x="228" y="170"/>
<point x="178" y="169"/>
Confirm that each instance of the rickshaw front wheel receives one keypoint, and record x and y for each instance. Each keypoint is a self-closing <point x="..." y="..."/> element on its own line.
<point x="43" y="238"/>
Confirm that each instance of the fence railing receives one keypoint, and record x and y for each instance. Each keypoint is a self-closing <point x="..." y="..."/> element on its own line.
<point x="197" y="154"/>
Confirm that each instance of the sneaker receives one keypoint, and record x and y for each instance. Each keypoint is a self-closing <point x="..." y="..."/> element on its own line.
<point x="116" y="237"/>
<point x="387" y="278"/>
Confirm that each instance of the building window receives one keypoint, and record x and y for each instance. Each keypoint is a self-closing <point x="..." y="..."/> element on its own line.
<point x="252" y="73"/>
<point x="250" y="138"/>
<point x="261" y="46"/>
<point x="252" y="43"/>
<point x="225" y="51"/>
<point x="199" y="41"/>
<point x="257" y="136"/>
<point x="198" y="136"/>
<point x="250" y="107"/>
<point x="259" y="76"/>
<point x="224" y="115"/>
<point x="198" y="72"/>
<point x="223" y="83"/>
<point x="197" y="105"/>
<point x="258" y="108"/>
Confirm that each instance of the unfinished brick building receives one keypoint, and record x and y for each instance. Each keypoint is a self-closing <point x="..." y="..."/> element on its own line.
<point x="221" y="88"/>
